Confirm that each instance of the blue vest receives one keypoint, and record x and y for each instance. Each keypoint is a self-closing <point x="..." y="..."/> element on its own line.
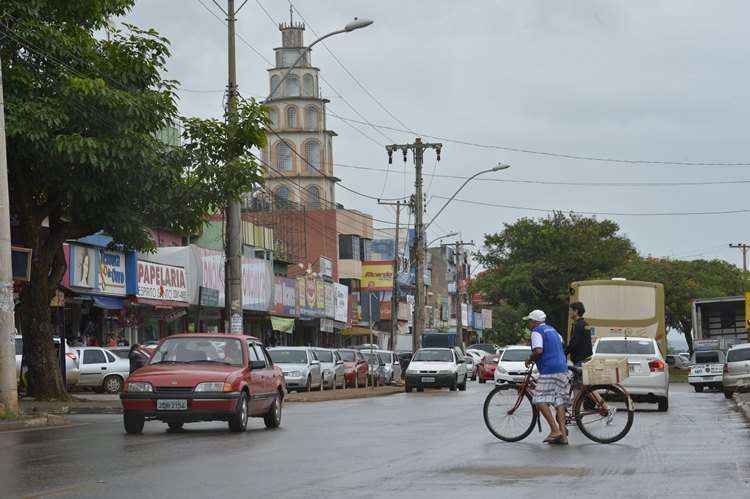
<point x="553" y="359"/>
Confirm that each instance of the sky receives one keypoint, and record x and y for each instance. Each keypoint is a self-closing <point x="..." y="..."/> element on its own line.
<point x="638" y="80"/>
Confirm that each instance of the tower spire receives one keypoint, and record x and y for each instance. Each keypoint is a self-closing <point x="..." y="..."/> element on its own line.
<point x="291" y="14"/>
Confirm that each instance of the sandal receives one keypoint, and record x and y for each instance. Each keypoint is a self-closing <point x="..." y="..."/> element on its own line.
<point x="559" y="441"/>
<point x="550" y="439"/>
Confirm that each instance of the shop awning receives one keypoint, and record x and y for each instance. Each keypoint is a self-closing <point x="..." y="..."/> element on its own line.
<point x="161" y="303"/>
<point x="107" y="302"/>
<point x="282" y="324"/>
<point x="357" y="331"/>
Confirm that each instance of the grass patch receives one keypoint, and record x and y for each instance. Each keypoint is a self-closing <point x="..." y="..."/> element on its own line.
<point x="7" y="415"/>
<point x="678" y="375"/>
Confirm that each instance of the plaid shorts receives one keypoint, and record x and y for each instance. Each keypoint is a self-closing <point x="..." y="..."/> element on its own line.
<point x="552" y="389"/>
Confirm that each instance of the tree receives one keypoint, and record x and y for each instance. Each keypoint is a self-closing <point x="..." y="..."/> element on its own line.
<point x="532" y="262"/>
<point x="82" y="115"/>
<point x="508" y="327"/>
<point x="685" y="281"/>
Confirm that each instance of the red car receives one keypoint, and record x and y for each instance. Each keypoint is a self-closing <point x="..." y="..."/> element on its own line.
<point x="205" y="377"/>
<point x="355" y="367"/>
<point x="486" y="369"/>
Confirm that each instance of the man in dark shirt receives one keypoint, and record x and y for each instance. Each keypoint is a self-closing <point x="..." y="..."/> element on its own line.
<point x="579" y="345"/>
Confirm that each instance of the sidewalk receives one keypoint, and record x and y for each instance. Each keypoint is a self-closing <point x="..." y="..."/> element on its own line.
<point x="94" y="403"/>
<point x="743" y="404"/>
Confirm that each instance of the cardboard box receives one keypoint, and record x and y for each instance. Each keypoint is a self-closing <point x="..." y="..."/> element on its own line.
<point x="605" y="371"/>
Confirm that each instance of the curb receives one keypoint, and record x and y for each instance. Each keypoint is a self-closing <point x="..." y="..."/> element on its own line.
<point x="742" y="401"/>
<point x="40" y="421"/>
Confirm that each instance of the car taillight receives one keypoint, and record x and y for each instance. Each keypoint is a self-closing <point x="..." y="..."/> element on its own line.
<point x="71" y="356"/>
<point x="656" y="365"/>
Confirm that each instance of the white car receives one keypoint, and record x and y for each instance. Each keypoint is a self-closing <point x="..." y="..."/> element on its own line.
<point x="511" y="367"/>
<point x="648" y="376"/>
<point x="436" y="367"/>
<point x="71" y="360"/>
<point x="101" y="369"/>
<point x="707" y="370"/>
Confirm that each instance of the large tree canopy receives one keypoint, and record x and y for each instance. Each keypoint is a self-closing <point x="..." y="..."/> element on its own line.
<point x="82" y="115"/>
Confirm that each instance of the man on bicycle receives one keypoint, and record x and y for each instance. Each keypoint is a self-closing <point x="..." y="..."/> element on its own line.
<point x="553" y="385"/>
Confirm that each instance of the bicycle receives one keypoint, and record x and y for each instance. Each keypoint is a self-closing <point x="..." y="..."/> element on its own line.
<point x="594" y="408"/>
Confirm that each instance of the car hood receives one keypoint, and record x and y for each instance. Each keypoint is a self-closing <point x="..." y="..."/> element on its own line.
<point x="513" y="366"/>
<point x="182" y="374"/>
<point x="292" y="367"/>
<point x="431" y="366"/>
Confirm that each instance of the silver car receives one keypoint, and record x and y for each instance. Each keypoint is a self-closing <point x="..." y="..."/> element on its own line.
<point x="471" y="367"/>
<point x="301" y="367"/>
<point x="737" y="370"/>
<point x="71" y="360"/>
<point x="391" y="367"/>
<point x="332" y="367"/>
<point x="101" y="369"/>
<point x="375" y="367"/>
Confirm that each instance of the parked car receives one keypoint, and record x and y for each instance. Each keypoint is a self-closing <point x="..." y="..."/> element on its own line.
<point x="72" y="369"/>
<point x="648" y="378"/>
<point x="678" y="361"/>
<point x="737" y="370"/>
<point x="707" y="370"/>
<point x="122" y="352"/>
<point x="404" y="359"/>
<point x="486" y="368"/>
<point x="375" y="367"/>
<point x="205" y="377"/>
<point x="332" y="367"/>
<point x="436" y="367"/>
<point x="392" y="367"/>
<point x="101" y="369"/>
<point x="471" y="367"/>
<point x="300" y="366"/>
<point x="489" y="348"/>
<point x="511" y="366"/>
<point x="355" y="367"/>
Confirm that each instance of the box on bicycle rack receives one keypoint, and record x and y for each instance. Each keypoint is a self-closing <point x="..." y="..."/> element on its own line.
<point x="605" y="371"/>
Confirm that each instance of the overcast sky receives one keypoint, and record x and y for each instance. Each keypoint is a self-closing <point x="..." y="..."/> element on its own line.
<point x="657" y="80"/>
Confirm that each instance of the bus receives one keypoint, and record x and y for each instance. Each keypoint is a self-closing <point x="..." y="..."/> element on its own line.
<point x="619" y="307"/>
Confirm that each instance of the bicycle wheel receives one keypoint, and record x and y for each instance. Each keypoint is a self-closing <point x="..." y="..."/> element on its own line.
<point x="509" y="427"/>
<point x="611" y="416"/>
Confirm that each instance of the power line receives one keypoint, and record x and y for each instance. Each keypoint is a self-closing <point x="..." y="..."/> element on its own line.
<point x="606" y="213"/>
<point x="237" y="34"/>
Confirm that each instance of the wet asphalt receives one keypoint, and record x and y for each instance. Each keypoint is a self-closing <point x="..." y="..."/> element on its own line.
<point x="431" y="444"/>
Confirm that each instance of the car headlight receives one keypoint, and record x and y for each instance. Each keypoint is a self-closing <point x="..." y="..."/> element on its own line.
<point x="213" y="386"/>
<point x="294" y="374"/>
<point x="500" y="370"/>
<point x="445" y="371"/>
<point x="140" y="386"/>
<point x="412" y="371"/>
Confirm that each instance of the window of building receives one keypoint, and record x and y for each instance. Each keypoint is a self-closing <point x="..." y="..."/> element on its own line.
<point x="281" y="198"/>
<point x="273" y="117"/>
<point x="274" y="90"/>
<point x="312" y="154"/>
<point x="291" y="117"/>
<point x="308" y="83"/>
<point x="349" y="247"/>
<point x="311" y="118"/>
<point x="291" y="89"/>
<point x="313" y="197"/>
<point x="283" y="157"/>
<point x="365" y="249"/>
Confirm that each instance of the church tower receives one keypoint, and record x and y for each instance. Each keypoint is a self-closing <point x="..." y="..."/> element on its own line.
<point x="298" y="114"/>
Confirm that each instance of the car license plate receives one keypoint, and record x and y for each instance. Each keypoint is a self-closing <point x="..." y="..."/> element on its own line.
<point x="171" y="405"/>
<point x="428" y="380"/>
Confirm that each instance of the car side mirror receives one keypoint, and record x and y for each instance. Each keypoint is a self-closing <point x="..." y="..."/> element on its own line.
<point x="339" y="362"/>
<point x="257" y="364"/>
<point x="315" y="363"/>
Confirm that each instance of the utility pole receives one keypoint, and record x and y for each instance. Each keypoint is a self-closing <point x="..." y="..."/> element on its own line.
<point x="742" y="247"/>
<point x="417" y="149"/>
<point x="8" y="388"/>
<point x="459" y="295"/>
<point x="233" y="286"/>
<point x="394" y="292"/>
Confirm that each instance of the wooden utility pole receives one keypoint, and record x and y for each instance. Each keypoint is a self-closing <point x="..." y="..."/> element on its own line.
<point x="394" y="292"/>
<point x="8" y="388"/>
<point x="742" y="247"/>
<point x="417" y="148"/>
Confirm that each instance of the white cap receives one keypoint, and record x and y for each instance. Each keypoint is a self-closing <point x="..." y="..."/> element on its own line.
<point x="536" y="316"/>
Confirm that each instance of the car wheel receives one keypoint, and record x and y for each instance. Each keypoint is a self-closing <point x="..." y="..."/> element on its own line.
<point x="482" y="380"/>
<point x="133" y="422"/>
<point x="462" y="386"/>
<point x="273" y="416"/>
<point x="112" y="384"/>
<point x="728" y="394"/>
<point x="408" y="387"/>
<point x="238" y="421"/>
<point x="308" y="387"/>
<point x="698" y="388"/>
<point x="454" y="384"/>
<point x="175" y="425"/>
<point x="663" y="404"/>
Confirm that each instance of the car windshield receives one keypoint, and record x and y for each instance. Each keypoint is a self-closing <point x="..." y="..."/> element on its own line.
<point x="386" y="357"/>
<point x="515" y="355"/>
<point x="346" y="356"/>
<point x="371" y="358"/>
<point x="492" y="359"/>
<point x="199" y="350"/>
<point x="433" y="356"/>
<point x="324" y="355"/>
<point x="706" y="357"/>
<point x="288" y="356"/>
<point x="738" y="355"/>
<point x="635" y="347"/>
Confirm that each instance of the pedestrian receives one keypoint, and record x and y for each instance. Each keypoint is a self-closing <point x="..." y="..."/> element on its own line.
<point x="111" y="341"/>
<point x="553" y="385"/>
<point x="579" y="345"/>
<point x="138" y="357"/>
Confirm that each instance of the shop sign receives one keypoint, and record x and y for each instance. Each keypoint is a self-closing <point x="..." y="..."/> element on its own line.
<point x="464" y="314"/>
<point x="330" y="293"/>
<point x="487" y="318"/>
<point x="342" y="302"/>
<point x="326" y="267"/>
<point x="377" y="275"/>
<point x="257" y="284"/>
<point x="321" y="295"/>
<point x="326" y="325"/>
<point x="83" y="268"/>
<point x="285" y="296"/>
<point x="112" y="273"/>
<point x="208" y="297"/>
<point x="173" y="316"/>
<point x="158" y="281"/>
<point x="308" y="297"/>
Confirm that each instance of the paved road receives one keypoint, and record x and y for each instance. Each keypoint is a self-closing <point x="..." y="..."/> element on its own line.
<point x="431" y="444"/>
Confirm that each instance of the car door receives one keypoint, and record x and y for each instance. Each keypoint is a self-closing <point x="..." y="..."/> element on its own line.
<point x="94" y="367"/>
<point x="315" y="371"/>
<point x="269" y="386"/>
<point x="258" y="390"/>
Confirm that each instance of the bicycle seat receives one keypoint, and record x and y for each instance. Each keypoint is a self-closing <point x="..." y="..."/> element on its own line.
<point x="575" y="370"/>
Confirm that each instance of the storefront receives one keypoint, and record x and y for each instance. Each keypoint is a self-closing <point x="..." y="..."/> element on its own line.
<point x="283" y="312"/>
<point x="161" y="300"/>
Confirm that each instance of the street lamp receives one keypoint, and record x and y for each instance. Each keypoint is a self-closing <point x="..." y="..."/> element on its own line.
<point x="450" y="234"/>
<point x="500" y="166"/>
<point x="354" y="25"/>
